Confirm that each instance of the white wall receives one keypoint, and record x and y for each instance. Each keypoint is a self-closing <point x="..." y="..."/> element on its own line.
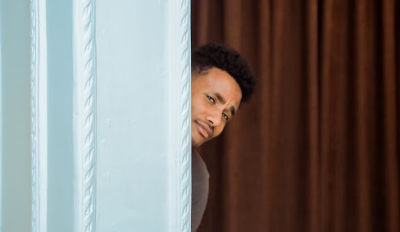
<point x="132" y="110"/>
<point x="95" y="115"/>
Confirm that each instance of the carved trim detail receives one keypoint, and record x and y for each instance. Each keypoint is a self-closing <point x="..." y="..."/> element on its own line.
<point x="38" y="79"/>
<point x="86" y="110"/>
<point x="38" y="111"/>
<point x="34" y="73"/>
<point x="184" y="67"/>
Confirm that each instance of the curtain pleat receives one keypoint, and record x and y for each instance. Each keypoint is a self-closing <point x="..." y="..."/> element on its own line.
<point x="317" y="147"/>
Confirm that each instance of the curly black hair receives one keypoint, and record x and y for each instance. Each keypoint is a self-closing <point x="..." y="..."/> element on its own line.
<point x="222" y="57"/>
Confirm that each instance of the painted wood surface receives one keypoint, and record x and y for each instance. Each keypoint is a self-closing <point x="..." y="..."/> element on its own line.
<point x="15" y="85"/>
<point x="95" y="115"/>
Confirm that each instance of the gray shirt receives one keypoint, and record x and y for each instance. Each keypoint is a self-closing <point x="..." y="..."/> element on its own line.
<point x="200" y="178"/>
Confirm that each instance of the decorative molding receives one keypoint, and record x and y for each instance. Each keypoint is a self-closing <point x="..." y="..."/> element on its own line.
<point x="85" y="112"/>
<point x="38" y="72"/>
<point x="184" y="67"/>
<point x="34" y="111"/>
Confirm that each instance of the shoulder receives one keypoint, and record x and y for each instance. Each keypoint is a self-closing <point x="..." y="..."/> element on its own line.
<point x="199" y="167"/>
<point x="200" y="187"/>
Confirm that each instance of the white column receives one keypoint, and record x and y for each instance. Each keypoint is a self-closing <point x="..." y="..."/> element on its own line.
<point x="95" y="115"/>
<point x="143" y="115"/>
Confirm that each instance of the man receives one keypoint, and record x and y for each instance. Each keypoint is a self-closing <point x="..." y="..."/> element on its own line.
<point x="221" y="80"/>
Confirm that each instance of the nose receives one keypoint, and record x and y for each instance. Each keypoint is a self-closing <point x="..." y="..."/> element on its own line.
<point x="214" y="118"/>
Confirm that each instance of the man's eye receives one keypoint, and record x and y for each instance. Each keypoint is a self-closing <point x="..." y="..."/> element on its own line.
<point x="225" y="116"/>
<point x="211" y="99"/>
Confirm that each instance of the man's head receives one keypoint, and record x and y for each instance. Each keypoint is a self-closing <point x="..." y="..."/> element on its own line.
<point x="221" y="80"/>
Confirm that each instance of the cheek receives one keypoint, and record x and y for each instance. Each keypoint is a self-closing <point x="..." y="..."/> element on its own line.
<point x="218" y="130"/>
<point x="195" y="108"/>
<point x="194" y="104"/>
<point x="198" y="107"/>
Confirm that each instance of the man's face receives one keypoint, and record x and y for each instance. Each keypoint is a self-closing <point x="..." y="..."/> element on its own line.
<point x="215" y="99"/>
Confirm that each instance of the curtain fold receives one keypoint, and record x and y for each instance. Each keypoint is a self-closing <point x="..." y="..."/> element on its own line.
<point x="317" y="146"/>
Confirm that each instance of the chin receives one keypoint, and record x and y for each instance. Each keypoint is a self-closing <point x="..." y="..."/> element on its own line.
<point x="197" y="142"/>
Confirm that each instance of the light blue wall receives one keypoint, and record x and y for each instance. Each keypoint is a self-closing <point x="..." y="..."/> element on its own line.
<point x="15" y="44"/>
<point x="60" y="128"/>
<point x="1" y="127"/>
<point x="132" y="115"/>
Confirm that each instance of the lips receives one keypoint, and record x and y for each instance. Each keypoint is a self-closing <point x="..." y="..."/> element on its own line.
<point x="204" y="129"/>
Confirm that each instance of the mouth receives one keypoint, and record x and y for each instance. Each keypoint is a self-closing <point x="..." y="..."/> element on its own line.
<point x="204" y="130"/>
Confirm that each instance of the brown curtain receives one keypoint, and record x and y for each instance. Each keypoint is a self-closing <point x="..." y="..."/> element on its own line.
<point x="317" y="146"/>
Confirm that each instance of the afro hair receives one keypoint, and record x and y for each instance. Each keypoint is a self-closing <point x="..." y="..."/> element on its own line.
<point x="222" y="57"/>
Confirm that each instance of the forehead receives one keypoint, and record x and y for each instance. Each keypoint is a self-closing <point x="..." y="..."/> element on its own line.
<point x="218" y="81"/>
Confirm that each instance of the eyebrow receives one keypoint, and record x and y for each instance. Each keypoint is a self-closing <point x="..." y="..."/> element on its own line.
<point x="222" y="100"/>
